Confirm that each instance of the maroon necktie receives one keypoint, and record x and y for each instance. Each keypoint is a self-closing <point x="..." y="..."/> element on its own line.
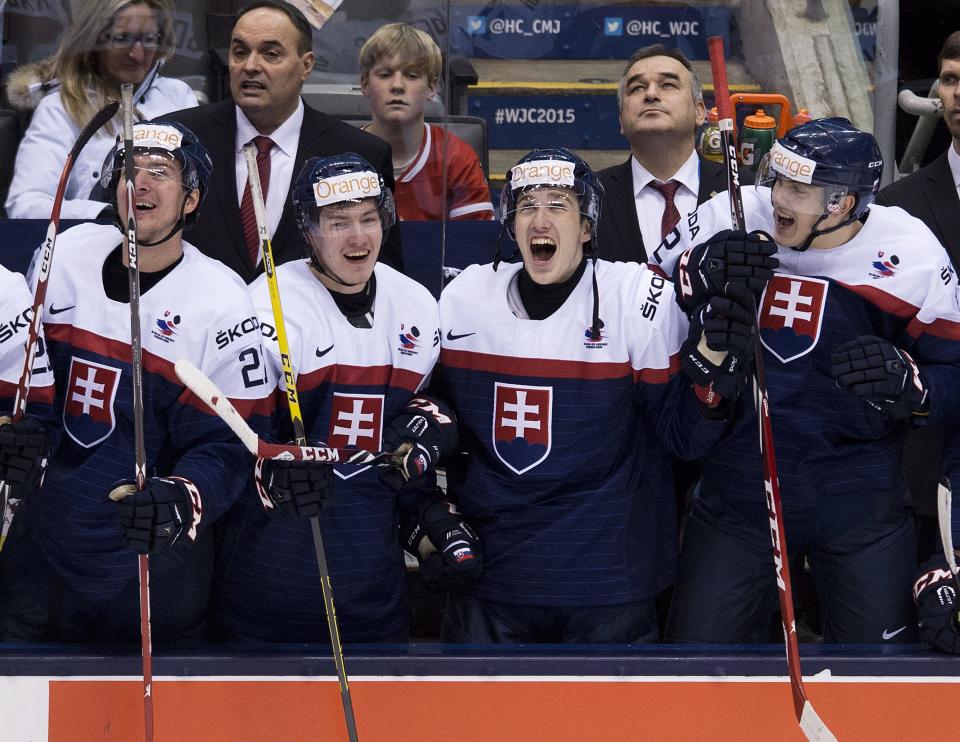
<point x="671" y="217"/>
<point x="247" y="216"/>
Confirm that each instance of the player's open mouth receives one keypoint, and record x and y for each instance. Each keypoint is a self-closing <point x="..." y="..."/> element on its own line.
<point x="145" y="206"/>
<point x="356" y="256"/>
<point x="784" y="221"/>
<point x="542" y="249"/>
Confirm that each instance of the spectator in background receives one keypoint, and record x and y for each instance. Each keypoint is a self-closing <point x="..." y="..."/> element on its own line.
<point x="270" y="58"/>
<point x="435" y="170"/>
<point x="109" y="43"/>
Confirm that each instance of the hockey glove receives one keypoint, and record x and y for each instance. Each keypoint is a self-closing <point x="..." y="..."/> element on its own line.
<point x="937" y="606"/>
<point x="164" y="514"/>
<point x="885" y="377"/>
<point x="717" y="352"/>
<point x="424" y="432"/>
<point x="446" y="546"/>
<point x="729" y="257"/>
<point x="301" y="488"/>
<point x="24" y="451"/>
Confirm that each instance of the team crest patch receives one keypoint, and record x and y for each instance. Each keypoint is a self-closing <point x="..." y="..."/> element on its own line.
<point x="166" y="326"/>
<point x="791" y="313"/>
<point x="409" y="340"/>
<point x="88" y="412"/>
<point x="356" y="421"/>
<point x="522" y="420"/>
<point x="884" y="267"/>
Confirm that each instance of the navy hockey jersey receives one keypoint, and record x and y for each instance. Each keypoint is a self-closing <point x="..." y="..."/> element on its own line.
<point x="200" y="311"/>
<point x="568" y="476"/>
<point x="834" y="452"/>
<point x="351" y="382"/>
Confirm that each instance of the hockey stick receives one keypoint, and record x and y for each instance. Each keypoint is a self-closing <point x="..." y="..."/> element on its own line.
<point x="944" y="515"/>
<point x="296" y="417"/>
<point x="136" y="350"/>
<point x="810" y="722"/>
<point x="43" y="266"/>
<point x="198" y="383"/>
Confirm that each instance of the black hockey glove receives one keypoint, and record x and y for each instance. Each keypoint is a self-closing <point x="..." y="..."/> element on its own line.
<point x="24" y="451"/>
<point x="725" y="324"/>
<point x="729" y="257"/>
<point x="422" y="434"/>
<point x="164" y="514"/>
<point x="446" y="546"/>
<point x="301" y="488"/>
<point x="937" y="606"/>
<point x="885" y="377"/>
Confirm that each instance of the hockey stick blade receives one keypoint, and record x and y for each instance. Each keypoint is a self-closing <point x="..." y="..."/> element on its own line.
<point x="812" y="725"/>
<point x="198" y="383"/>
<point x="944" y="508"/>
<point x="99" y="119"/>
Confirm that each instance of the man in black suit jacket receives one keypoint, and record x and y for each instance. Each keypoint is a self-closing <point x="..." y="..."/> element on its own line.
<point x="270" y="58"/>
<point x="661" y="105"/>
<point x="931" y="195"/>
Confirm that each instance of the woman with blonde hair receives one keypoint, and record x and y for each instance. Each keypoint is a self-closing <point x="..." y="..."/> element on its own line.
<point x="109" y="43"/>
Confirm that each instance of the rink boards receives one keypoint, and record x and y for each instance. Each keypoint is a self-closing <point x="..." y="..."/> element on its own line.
<point x="424" y="693"/>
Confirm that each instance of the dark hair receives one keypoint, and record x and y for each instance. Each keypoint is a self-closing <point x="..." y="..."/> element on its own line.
<point x="950" y="50"/>
<point x="659" y="50"/>
<point x="298" y="19"/>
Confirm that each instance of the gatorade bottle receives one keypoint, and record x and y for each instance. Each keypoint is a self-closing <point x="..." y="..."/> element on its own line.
<point x="802" y="117"/>
<point x="756" y="138"/>
<point x="710" y="148"/>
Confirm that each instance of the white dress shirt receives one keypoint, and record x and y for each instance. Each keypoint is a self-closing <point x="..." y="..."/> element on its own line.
<point x="283" y="155"/>
<point x="650" y="202"/>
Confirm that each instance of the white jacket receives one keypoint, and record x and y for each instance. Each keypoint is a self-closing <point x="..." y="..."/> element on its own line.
<point x="48" y="141"/>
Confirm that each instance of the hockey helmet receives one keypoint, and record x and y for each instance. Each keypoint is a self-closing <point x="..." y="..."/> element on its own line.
<point x="552" y="168"/>
<point x="346" y="178"/>
<point x="831" y="153"/>
<point x="164" y="140"/>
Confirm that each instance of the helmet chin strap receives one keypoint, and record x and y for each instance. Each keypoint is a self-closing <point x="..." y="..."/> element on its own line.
<point x="177" y="225"/>
<point x="814" y="232"/>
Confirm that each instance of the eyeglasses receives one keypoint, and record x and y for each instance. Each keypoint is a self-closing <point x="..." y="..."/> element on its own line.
<point x="148" y="41"/>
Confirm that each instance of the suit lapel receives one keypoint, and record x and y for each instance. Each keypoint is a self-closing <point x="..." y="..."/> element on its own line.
<point x="713" y="180"/>
<point x="941" y="194"/>
<point x="623" y="210"/>
<point x="223" y="140"/>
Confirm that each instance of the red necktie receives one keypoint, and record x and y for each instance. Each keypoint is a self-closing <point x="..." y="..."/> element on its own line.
<point x="671" y="217"/>
<point x="248" y="217"/>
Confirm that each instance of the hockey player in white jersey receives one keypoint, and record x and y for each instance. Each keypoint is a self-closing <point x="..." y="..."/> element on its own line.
<point x="363" y="340"/>
<point x="565" y="374"/>
<point x="861" y="335"/>
<point x="69" y="569"/>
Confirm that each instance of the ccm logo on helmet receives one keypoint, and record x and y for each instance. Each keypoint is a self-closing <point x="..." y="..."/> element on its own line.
<point x="346" y="187"/>
<point x="792" y="165"/>
<point x="543" y="172"/>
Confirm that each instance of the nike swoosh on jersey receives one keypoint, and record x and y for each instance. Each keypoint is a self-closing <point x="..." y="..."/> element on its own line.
<point x="451" y="336"/>
<point x="887" y="635"/>
<point x="322" y="353"/>
<point x="58" y="310"/>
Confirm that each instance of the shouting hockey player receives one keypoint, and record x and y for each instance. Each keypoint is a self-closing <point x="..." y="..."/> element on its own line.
<point x="860" y="331"/>
<point x="69" y="569"/>
<point x="363" y="340"/>
<point x="564" y="372"/>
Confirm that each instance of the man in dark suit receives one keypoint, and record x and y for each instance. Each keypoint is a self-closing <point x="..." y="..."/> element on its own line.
<point x="270" y="58"/>
<point x="661" y="105"/>
<point x="931" y="195"/>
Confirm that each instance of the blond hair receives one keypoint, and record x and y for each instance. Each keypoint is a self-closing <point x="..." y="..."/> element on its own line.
<point x="83" y="90"/>
<point x="416" y="49"/>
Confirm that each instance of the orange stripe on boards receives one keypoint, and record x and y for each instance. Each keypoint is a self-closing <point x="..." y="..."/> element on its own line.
<point x="494" y="711"/>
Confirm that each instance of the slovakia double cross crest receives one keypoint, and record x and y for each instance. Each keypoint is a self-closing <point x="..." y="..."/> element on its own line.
<point x="522" y="422"/>
<point x="88" y="415"/>
<point x="356" y="421"/>
<point x="791" y="314"/>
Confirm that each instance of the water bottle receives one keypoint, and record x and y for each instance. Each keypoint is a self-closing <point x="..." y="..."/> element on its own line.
<point x="802" y="116"/>
<point x="710" y="148"/>
<point x="756" y="138"/>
